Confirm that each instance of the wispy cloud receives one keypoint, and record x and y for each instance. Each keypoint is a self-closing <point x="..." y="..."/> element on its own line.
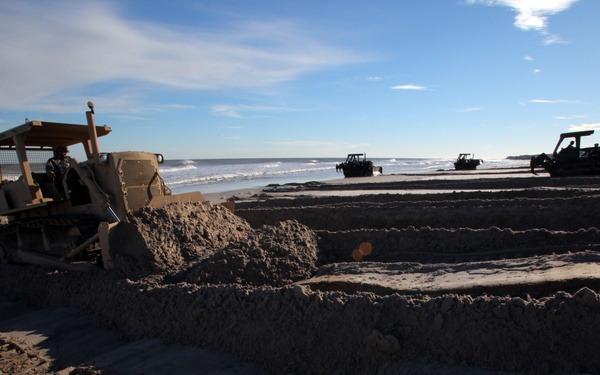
<point x="571" y="117"/>
<point x="130" y="118"/>
<point x="585" y="126"/>
<point x="409" y="87"/>
<point x="175" y="106"/>
<point x="238" y="110"/>
<point x="471" y="109"/>
<point x="226" y="110"/>
<point x="551" y="101"/>
<point x="529" y="58"/>
<point x="75" y="46"/>
<point x="532" y="14"/>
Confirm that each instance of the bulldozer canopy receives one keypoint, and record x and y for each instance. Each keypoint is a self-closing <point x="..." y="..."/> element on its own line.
<point x="576" y="135"/>
<point x="50" y="134"/>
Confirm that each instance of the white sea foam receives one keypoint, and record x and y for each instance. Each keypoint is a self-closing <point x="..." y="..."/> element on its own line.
<point x="209" y="176"/>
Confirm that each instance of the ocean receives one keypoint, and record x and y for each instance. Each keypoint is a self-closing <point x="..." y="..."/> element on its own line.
<point x="222" y="175"/>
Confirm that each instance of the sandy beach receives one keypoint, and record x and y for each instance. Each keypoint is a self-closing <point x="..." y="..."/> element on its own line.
<point x="476" y="272"/>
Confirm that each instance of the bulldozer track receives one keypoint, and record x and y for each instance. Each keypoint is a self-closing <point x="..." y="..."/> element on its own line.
<point x="86" y="224"/>
<point x="81" y="221"/>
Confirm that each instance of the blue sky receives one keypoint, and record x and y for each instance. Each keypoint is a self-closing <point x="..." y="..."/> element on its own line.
<point x="313" y="78"/>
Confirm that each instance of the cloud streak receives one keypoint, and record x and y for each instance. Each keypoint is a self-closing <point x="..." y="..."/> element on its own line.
<point x="585" y="126"/>
<point x="551" y="101"/>
<point x="74" y="46"/>
<point x="237" y="110"/>
<point x="409" y="87"/>
<point x="471" y="109"/>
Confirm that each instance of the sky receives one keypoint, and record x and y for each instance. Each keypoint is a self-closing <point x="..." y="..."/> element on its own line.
<point x="314" y="78"/>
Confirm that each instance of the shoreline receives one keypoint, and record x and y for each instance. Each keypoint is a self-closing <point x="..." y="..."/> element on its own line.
<point x="340" y="186"/>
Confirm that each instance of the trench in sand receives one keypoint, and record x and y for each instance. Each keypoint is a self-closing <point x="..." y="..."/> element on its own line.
<point x="444" y="229"/>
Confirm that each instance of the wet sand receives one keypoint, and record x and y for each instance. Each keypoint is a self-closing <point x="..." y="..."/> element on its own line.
<point x="432" y="182"/>
<point x="474" y="272"/>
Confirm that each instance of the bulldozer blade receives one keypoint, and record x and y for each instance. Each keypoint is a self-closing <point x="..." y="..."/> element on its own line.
<point x="104" y="234"/>
<point x="230" y="205"/>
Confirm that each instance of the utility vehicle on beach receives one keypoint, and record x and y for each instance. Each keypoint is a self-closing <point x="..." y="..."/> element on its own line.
<point x="465" y="162"/>
<point x="357" y="165"/>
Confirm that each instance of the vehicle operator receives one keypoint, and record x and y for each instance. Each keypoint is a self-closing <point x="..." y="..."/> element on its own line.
<point x="57" y="166"/>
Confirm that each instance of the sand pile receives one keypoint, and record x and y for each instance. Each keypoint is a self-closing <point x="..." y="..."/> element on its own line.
<point x="208" y="244"/>
<point x="272" y="255"/>
<point x="163" y="240"/>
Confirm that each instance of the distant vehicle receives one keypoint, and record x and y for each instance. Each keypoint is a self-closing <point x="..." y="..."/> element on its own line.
<point x="464" y="162"/>
<point x="572" y="160"/>
<point x="357" y="165"/>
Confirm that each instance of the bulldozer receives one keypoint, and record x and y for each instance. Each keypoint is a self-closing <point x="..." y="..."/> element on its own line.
<point x="573" y="160"/>
<point x="72" y="230"/>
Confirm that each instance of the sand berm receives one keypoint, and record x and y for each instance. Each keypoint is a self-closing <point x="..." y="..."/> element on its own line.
<point x="475" y="273"/>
